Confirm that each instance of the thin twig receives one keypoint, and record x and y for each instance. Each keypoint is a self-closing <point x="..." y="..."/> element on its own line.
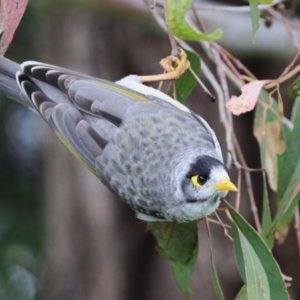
<point x="160" y="85"/>
<point x="248" y="186"/>
<point x="238" y="194"/>
<point x="224" y="85"/>
<point x="207" y="227"/>
<point x="174" y="51"/>
<point x="199" y="23"/>
<point x="291" y="64"/>
<point x="280" y="17"/>
<point x="153" y="5"/>
<point x="287" y="24"/>
<point x="297" y="229"/>
<point x="237" y="9"/>
<point x="251" y="169"/>
<point x="217" y="222"/>
<point x="224" y="228"/>
<point x="227" y="61"/>
<point x="205" y="89"/>
<point x="174" y="90"/>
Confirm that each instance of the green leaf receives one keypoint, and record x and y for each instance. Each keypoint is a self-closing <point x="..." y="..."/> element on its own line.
<point x="270" y="134"/>
<point x="186" y="83"/>
<point x="266" y="216"/>
<point x="262" y="1"/>
<point x="178" y="26"/>
<point x="184" y="271"/>
<point x="254" y="16"/>
<point x="242" y="295"/>
<point x="294" y="90"/>
<point x="215" y="278"/>
<point x="291" y="156"/>
<point x="289" y="201"/>
<point x="288" y="177"/>
<point x="178" y="242"/>
<point x="253" y="274"/>
<point x="257" y="266"/>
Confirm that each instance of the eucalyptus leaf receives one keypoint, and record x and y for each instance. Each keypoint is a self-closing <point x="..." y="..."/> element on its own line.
<point x="288" y="178"/>
<point x="266" y="216"/>
<point x="178" y="26"/>
<point x="215" y="278"/>
<point x="178" y="242"/>
<point x="254" y="16"/>
<point x="186" y="83"/>
<point x="258" y="268"/>
<point x="242" y="295"/>
<point x="294" y="90"/>
<point x="261" y="1"/>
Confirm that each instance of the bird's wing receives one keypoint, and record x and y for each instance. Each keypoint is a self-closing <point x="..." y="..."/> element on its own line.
<point x="67" y="122"/>
<point x="83" y="111"/>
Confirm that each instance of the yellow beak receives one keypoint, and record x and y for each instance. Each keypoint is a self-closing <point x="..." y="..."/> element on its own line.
<point x="225" y="185"/>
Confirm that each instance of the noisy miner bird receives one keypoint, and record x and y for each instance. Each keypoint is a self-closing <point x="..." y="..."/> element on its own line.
<point x="147" y="148"/>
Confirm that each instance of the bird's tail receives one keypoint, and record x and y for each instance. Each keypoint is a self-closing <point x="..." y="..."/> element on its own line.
<point x="8" y="84"/>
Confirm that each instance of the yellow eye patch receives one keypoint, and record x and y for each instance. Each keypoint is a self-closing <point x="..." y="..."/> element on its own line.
<point x="194" y="180"/>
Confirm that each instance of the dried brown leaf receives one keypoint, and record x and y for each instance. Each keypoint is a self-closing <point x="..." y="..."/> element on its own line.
<point x="270" y="131"/>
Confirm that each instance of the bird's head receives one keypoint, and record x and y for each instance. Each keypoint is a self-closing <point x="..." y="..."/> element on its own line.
<point x="201" y="185"/>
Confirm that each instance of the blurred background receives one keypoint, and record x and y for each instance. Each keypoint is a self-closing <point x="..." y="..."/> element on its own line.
<point x="62" y="234"/>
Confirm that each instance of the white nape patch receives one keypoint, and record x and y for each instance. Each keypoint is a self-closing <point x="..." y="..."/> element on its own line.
<point x="147" y="218"/>
<point x="133" y="82"/>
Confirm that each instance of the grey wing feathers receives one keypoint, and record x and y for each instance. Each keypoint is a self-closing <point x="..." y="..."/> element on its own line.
<point x="91" y="95"/>
<point x="8" y="84"/>
<point x="67" y="122"/>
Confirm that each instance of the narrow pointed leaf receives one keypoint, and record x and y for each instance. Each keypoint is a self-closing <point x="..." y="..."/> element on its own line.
<point x="258" y="268"/>
<point x="289" y="200"/>
<point x="292" y="152"/>
<point x="294" y="90"/>
<point x="254" y="16"/>
<point x="184" y="271"/>
<point x="288" y="178"/>
<point x="266" y="216"/>
<point x="215" y="278"/>
<point x="242" y="295"/>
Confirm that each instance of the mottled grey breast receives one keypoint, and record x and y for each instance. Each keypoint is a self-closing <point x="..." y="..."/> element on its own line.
<point x="138" y="161"/>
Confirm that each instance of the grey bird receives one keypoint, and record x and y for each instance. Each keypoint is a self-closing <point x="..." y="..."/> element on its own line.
<point x="148" y="149"/>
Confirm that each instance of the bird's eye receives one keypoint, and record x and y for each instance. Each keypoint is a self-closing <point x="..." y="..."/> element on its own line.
<point x="202" y="179"/>
<point x="198" y="180"/>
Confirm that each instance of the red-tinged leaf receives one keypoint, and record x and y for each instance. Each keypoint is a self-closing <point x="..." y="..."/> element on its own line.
<point x="247" y="100"/>
<point x="11" y="12"/>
